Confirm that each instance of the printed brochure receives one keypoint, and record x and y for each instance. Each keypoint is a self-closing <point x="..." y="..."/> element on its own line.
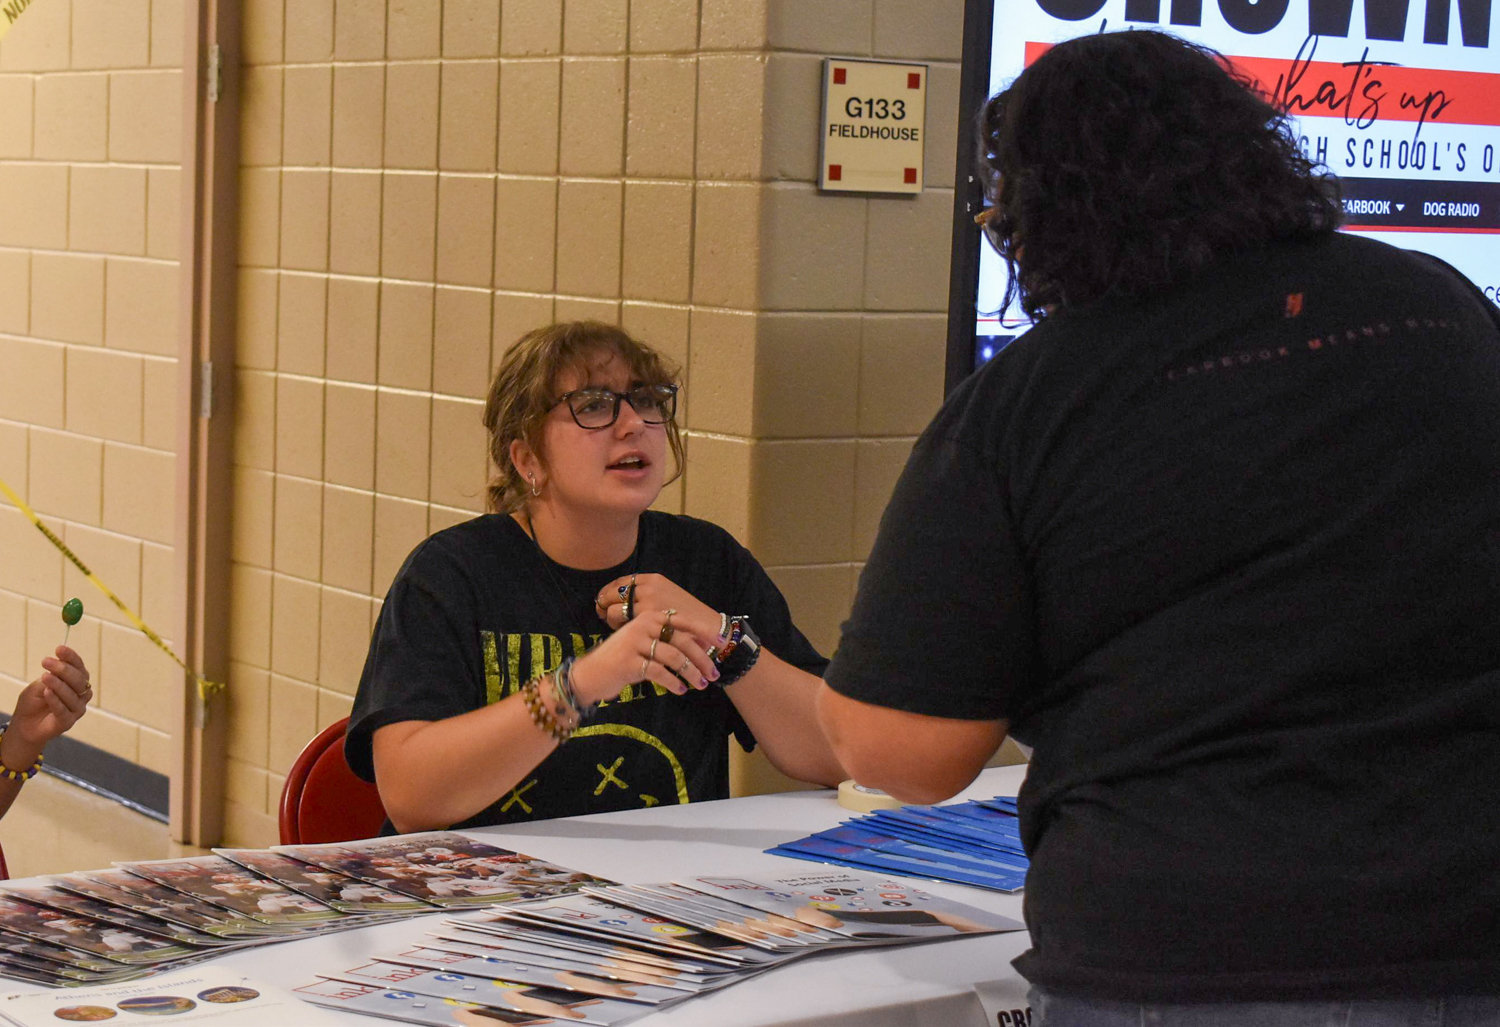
<point x="225" y="999"/>
<point x="344" y="893"/>
<point x="445" y="869"/>
<point x="860" y="907"/>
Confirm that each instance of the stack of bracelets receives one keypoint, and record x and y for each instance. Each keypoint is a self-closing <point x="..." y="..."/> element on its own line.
<point x="739" y="653"/>
<point x="734" y="661"/>
<point x="553" y="721"/>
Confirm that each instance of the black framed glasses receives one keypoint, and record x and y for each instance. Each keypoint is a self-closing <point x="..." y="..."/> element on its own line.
<point x="597" y="407"/>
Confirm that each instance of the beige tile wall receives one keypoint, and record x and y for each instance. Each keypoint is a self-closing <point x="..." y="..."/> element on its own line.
<point x="846" y="309"/>
<point x="90" y="101"/>
<point x="422" y="182"/>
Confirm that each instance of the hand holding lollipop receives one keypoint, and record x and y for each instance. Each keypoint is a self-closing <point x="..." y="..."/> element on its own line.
<point x="46" y="708"/>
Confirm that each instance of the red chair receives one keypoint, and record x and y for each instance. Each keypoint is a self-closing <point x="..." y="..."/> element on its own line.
<point x="323" y="801"/>
<point x="4" y="870"/>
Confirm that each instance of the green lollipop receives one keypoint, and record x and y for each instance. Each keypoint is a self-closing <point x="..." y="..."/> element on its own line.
<point x="72" y="613"/>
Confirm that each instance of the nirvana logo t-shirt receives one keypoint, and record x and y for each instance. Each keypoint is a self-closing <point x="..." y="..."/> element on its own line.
<point x="478" y="610"/>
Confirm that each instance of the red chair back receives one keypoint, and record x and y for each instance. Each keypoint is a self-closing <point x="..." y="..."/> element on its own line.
<point x="323" y="800"/>
<point x="4" y="870"/>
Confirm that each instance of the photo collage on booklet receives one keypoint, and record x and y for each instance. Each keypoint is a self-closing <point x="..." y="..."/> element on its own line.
<point x="613" y="953"/>
<point x="445" y="869"/>
<point x="140" y="919"/>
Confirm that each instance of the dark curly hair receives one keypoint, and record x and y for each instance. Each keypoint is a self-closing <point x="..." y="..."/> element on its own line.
<point x="1120" y="163"/>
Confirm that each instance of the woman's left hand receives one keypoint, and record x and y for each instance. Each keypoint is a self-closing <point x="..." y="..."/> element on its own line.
<point x="658" y="592"/>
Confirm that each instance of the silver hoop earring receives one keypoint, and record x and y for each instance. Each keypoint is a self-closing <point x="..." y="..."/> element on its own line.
<point x="534" y="490"/>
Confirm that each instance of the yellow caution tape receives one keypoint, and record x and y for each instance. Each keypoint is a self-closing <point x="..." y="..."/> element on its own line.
<point x="10" y="10"/>
<point x="206" y="688"/>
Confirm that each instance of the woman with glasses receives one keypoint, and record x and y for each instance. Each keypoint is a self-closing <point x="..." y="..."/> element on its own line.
<point x="574" y="651"/>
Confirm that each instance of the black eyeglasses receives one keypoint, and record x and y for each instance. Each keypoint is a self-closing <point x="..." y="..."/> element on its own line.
<point x="597" y="407"/>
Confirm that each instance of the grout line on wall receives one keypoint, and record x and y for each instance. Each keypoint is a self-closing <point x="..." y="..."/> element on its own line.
<point x="432" y="348"/>
<point x="796" y="440"/>
<point x="624" y="60"/>
<point x="101" y="255"/>
<point x="849" y="564"/>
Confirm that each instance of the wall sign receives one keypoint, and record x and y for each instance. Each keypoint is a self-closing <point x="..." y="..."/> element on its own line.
<point x="874" y="124"/>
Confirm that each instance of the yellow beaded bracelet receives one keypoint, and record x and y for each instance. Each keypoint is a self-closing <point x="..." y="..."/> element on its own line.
<point x="19" y="775"/>
<point x="531" y="694"/>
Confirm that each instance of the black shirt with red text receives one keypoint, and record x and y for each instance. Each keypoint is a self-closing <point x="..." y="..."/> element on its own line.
<point x="1229" y="559"/>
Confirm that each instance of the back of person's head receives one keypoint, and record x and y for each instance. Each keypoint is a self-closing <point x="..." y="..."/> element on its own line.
<point x="1122" y="162"/>
<point x="528" y="382"/>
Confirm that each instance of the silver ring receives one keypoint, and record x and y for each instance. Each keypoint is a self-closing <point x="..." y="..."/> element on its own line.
<point x="651" y="653"/>
<point x="686" y="663"/>
<point x="645" y="663"/>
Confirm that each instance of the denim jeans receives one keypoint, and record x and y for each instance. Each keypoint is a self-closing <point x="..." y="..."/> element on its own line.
<point x="1051" y="1009"/>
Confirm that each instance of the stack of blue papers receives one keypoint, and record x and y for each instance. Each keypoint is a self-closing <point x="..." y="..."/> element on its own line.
<point x="976" y="843"/>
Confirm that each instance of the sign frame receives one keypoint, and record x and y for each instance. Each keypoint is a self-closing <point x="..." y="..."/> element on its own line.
<point x="902" y="169"/>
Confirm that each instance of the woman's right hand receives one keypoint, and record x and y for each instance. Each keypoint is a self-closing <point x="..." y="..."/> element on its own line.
<point x="635" y="652"/>
<point x="51" y="704"/>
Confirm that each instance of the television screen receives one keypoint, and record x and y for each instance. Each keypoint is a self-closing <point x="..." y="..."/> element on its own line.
<point x="1400" y="99"/>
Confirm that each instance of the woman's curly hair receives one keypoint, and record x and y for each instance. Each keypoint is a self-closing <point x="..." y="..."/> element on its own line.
<point x="1120" y="163"/>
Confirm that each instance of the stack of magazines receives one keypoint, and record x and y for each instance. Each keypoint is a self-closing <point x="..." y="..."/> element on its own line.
<point x="610" y="954"/>
<point x="977" y="843"/>
<point x="139" y="919"/>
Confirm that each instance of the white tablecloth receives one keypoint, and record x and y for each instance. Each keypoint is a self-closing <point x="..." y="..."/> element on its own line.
<point x="964" y="981"/>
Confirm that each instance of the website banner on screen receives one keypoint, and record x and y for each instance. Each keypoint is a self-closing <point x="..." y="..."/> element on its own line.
<point x="1398" y="98"/>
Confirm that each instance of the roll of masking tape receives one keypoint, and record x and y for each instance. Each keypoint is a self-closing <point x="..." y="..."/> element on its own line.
<point x="865" y="800"/>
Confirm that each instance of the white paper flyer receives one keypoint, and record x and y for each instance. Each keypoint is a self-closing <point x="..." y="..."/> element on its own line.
<point x="226" y="999"/>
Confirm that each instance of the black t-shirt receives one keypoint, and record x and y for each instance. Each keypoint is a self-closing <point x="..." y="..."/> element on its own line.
<point x="478" y="610"/>
<point x="1230" y="560"/>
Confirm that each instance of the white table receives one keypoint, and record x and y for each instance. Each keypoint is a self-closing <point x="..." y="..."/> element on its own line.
<point x="955" y="983"/>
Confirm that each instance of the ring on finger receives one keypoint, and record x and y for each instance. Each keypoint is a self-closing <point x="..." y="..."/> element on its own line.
<point x="645" y="667"/>
<point x="686" y="663"/>
<point x="666" y="629"/>
<point x="651" y="653"/>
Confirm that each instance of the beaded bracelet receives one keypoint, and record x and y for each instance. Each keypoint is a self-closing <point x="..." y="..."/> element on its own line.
<point x="739" y="655"/>
<point x="19" y="775"/>
<point x="727" y="627"/>
<point x="531" y="694"/>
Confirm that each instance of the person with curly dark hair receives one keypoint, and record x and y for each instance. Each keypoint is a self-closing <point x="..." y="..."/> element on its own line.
<point x="1220" y="538"/>
<point x="1126" y="162"/>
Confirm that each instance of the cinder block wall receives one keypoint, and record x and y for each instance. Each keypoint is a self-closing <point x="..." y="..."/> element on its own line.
<point x="811" y="387"/>
<point x="422" y="181"/>
<point x="90" y="109"/>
